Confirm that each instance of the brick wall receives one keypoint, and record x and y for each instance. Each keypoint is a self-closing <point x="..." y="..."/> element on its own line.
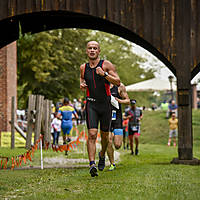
<point x="8" y="83"/>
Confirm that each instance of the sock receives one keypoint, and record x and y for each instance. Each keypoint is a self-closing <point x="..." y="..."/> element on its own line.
<point x="92" y="163"/>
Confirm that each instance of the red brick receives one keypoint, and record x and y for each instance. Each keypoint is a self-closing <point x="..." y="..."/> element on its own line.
<point x="8" y="83"/>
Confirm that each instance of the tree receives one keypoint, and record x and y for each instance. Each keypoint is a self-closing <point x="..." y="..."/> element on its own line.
<point x="120" y="53"/>
<point x="49" y="62"/>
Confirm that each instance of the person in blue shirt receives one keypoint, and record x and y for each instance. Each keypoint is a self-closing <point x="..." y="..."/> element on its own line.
<point x="172" y="108"/>
<point x="66" y="112"/>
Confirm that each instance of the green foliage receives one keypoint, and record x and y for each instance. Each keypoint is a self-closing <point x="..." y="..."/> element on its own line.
<point x="120" y="53"/>
<point x="49" y="62"/>
<point x="155" y="128"/>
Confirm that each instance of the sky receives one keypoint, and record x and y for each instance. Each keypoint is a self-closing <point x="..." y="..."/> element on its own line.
<point x="162" y="71"/>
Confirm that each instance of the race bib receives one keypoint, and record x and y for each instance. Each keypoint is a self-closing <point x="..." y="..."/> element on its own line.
<point x="134" y="128"/>
<point x="114" y="116"/>
<point x="114" y="102"/>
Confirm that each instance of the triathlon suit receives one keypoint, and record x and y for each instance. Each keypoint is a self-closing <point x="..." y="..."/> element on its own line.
<point x="98" y="106"/>
<point x="125" y="127"/>
<point x="134" y="124"/>
<point x="116" y="124"/>
<point x="66" y="112"/>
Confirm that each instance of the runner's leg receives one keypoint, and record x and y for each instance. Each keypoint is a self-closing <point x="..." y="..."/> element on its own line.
<point x="91" y="143"/>
<point x="110" y="150"/>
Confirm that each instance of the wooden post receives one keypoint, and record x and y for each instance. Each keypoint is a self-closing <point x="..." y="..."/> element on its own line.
<point x="44" y="118"/>
<point x="39" y="111"/>
<point x="31" y="107"/>
<point x="182" y="61"/>
<point x="47" y="121"/>
<point x="13" y="110"/>
<point x="194" y="96"/>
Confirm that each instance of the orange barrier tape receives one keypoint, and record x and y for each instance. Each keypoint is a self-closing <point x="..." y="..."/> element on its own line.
<point x="17" y="161"/>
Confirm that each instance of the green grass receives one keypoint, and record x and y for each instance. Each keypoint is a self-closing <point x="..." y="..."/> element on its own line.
<point x="147" y="176"/>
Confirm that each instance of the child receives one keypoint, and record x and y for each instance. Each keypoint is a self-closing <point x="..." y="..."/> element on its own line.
<point x="56" y="124"/>
<point x="173" y="125"/>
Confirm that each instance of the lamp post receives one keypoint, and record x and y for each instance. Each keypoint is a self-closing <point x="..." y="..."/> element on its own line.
<point x="170" y="80"/>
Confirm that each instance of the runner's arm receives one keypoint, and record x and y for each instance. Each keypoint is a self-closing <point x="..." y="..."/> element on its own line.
<point x="112" y="76"/>
<point x="122" y="92"/>
<point x="75" y="114"/>
<point x="141" y="116"/>
<point x="83" y="84"/>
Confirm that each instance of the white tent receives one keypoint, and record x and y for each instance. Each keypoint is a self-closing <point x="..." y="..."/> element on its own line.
<point x="155" y="84"/>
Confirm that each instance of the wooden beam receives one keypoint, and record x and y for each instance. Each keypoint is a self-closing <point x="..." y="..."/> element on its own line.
<point x="30" y="124"/>
<point x="39" y="111"/>
<point x="13" y="113"/>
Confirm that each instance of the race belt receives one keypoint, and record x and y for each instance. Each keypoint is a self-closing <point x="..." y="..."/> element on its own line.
<point x="91" y="99"/>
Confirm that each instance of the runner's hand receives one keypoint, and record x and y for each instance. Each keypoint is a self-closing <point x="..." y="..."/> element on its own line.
<point x="100" y="71"/>
<point x="83" y="85"/>
<point x="119" y="100"/>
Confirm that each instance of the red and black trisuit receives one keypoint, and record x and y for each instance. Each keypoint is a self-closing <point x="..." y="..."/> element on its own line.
<point x="98" y="106"/>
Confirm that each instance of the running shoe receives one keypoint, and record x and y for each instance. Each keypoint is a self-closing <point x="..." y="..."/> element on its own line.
<point x="93" y="171"/>
<point x="101" y="164"/>
<point x="112" y="167"/>
<point x="136" y="151"/>
<point x="168" y="144"/>
<point x="66" y="153"/>
<point x="132" y="152"/>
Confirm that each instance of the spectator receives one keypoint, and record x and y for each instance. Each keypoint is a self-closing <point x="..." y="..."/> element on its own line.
<point x="77" y="107"/>
<point x="153" y="106"/>
<point x="56" y="125"/>
<point x="172" y="108"/>
<point x="173" y="125"/>
<point x="164" y="105"/>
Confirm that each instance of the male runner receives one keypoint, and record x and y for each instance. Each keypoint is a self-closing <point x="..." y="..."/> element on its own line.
<point x="134" y="114"/>
<point x="121" y="96"/>
<point x="96" y="77"/>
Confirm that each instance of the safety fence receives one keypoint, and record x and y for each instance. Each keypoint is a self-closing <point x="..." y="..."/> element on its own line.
<point x="29" y="154"/>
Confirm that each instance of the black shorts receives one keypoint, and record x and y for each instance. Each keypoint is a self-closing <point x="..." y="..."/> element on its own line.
<point x="98" y="112"/>
<point x="116" y="124"/>
<point x="132" y="130"/>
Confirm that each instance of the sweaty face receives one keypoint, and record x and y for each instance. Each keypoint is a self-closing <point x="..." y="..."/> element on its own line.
<point x="93" y="50"/>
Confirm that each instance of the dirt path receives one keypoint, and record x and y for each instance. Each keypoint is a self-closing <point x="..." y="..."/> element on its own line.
<point x="60" y="161"/>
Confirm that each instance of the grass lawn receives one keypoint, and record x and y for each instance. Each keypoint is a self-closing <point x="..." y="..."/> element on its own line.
<point x="147" y="176"/>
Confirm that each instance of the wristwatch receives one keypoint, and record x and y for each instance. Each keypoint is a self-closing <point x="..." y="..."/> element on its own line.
<point x="105" y="74"/>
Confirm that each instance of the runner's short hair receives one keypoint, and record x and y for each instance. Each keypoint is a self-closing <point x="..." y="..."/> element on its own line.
<point x="66" y="100"/>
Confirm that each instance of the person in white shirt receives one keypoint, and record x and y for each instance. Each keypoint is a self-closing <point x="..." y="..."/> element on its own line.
<point x="56" y="125"/>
